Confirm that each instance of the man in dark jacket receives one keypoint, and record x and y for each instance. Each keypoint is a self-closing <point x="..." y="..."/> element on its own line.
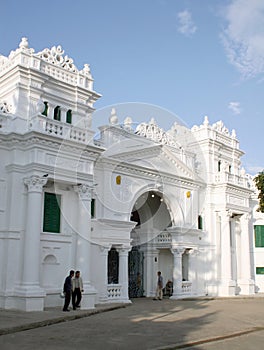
<point x="67" y="290"/>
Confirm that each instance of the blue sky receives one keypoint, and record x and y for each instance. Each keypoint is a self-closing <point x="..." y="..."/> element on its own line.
<point x="191" y="57"/>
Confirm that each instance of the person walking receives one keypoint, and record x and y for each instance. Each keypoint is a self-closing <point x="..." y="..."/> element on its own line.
<point x="159" y="293"/>
<point x="77" y="289"/>
<point x="67" y="290"/>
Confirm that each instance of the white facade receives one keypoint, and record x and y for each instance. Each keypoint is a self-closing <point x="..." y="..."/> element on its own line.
<point x="131" y="203"/>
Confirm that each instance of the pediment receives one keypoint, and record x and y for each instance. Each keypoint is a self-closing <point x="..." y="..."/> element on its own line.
<point x="153" y="156"/>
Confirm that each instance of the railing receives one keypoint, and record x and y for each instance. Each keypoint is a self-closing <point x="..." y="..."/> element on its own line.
<point x="230" y="178"/>
<point x="186" y="287"/>
<point x="64" y="130"/>
<point x="114" y="291"/>
<point x="164" y="237"/>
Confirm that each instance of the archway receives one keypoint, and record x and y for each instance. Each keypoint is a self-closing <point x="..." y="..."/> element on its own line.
<point x="152" y="216"/>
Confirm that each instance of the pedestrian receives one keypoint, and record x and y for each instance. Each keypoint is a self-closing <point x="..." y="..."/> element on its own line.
<point x="77" y="289"/>
<point x="159" y="293"/>
<point x="67" y="290"/>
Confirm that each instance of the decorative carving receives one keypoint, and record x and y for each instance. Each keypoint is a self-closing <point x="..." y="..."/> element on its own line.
<point x="153" y="132"/>
<point x="86" y="71"/>
<point x="35" y="183"/>
<point x="84" y="191"/>
<point x="219" y="126"/>
<point x="5" y="108"/>
<point x="55" y="56"/>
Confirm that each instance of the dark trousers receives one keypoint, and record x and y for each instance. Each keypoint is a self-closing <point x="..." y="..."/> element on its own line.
<point x="76" y="297"/>
<point x="67" y="301"/>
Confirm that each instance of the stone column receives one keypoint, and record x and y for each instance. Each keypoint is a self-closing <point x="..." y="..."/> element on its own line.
<point x="246" y="283"/>
<point x="177" y="271"/>
<point x="103" y="298"/>
<point x="123" y="273"/>
<point x="150" y="270"/>
<point x="30" y="295"/>
<point x="227" y="286"/>
<point x="83" y="253"/>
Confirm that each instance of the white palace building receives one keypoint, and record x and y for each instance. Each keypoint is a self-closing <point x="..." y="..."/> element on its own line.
<point x="118" y="207"/>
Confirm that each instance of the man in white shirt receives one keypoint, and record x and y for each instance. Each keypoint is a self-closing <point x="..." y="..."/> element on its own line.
<point x="77" y="289"/>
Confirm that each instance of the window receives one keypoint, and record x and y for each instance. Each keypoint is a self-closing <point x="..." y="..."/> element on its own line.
<point x="260" y="270"/>
<point x="113" y="266"/>
<point x="69" y="116"/>
<point x="57" y="113"/>
<point x="93" y="208"/>
<point x="45" y="112"/>
<point x="200" y="222"/>
<point x="219" y="165"/>
<point x="51" y="217"/>
<point x="259" y="236"/>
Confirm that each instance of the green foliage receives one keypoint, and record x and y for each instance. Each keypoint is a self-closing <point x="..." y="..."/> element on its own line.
<point x="259" y="181"/>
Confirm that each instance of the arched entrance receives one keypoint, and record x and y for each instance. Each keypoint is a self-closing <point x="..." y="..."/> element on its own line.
<point x="152" y="216"/>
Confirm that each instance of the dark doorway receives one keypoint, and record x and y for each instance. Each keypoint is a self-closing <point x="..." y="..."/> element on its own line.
<point x="113" y="266"/>
<point x="136" y="273"/>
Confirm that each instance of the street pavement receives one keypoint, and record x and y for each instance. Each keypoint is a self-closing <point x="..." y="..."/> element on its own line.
<point x="202" y="323"/>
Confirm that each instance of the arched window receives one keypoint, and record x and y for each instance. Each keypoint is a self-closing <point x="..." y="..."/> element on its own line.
<point x="57" y="113"/>
<point x="69" y="116"/>
<point x="219" y="165"/>
<point x="45" y="112"/>
<point x="230" y="169"/>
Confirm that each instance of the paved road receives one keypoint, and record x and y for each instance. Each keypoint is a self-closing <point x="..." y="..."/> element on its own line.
<point x="148" y="324"/>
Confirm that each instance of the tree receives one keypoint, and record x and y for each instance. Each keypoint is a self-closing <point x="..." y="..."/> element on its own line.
<point x="259" y="181"/>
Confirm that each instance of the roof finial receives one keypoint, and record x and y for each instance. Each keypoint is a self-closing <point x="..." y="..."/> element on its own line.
<point x="23" y="43"/>
<point x="113" y="120"/>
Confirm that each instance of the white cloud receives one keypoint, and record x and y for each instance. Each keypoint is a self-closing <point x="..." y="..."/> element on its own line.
<point x="235" y="107"/>
<point x="186" y="25"/>
<point x="243" y="36"/>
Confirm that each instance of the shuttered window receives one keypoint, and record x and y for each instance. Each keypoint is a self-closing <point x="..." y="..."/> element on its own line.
<point x="260" y="270"/>
<point x="259" y="236"/>
<point x="51" y="222"/>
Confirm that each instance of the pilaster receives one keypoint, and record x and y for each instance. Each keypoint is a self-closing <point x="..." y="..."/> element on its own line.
<point x="177" y="272"/>
<point x="123" y="272"/>
<point x="28" y="294"/>
<point x="83" y="253"/>
<point x="246" y="283"/>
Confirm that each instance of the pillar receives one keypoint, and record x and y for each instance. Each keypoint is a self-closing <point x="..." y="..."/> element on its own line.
<point x="83" y="252"/>
<point x="246" y="283"/>
<point x="177" y="272"/>
<point x="227" y="286"/>
<point x="151" y="267"/>
<point x="103" y="278"/>
<point x="123" y="273"/>
<point x="29" y="296"/>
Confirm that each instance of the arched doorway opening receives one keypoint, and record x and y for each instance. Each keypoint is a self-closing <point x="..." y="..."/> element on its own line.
<point x="152" y="216"/>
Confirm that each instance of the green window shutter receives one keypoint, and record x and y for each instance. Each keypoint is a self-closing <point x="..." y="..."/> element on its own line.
<point x="260" y="270"/>
<point x="45" y="112"/>
<point x="51" y="222"/>
<point x="259" y="236"/>
<point x="93" y="208"/>
<point x="69" y="117"/>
